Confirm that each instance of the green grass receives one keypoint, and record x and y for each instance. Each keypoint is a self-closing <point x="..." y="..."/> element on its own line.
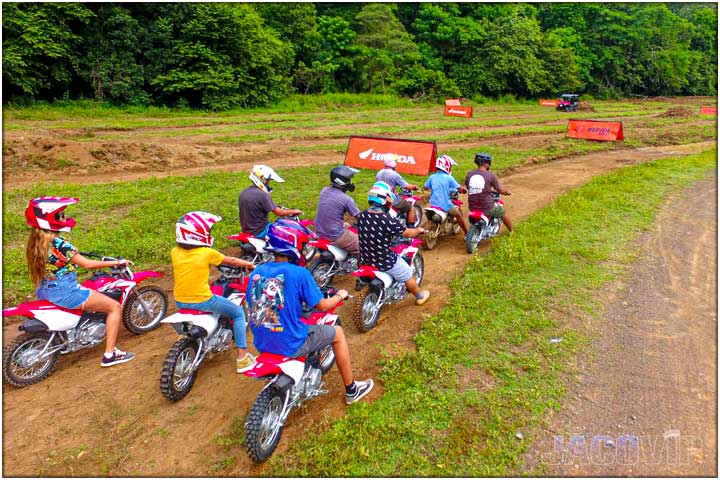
<point x="484" y="368"/>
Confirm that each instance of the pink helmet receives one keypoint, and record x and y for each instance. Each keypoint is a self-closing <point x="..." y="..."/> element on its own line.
<point x="389" y="160"/>
<point x="445" y="163"/>
<point x="194" y="228"/>
<point x="47" y="213"/>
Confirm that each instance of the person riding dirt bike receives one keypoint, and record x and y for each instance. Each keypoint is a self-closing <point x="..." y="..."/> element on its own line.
<point x="52" y="262"/>
<point x="441" y="184"/>
<point x="480" y="184"/>
<point x="255" y="202"/>
<point x="394" y="180"/>
<point x="333" y="203"/>
<point x="376" y="232"/>
<point x="191" y="260"/>
<point x="276" y="293"/>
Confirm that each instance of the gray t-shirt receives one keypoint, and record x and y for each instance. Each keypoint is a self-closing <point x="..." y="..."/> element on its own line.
<point x="392" y="178"/>
<point x="254" y="206"/>
<point x="332" y="205"/>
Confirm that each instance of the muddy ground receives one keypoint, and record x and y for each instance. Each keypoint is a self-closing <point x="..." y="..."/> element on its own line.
<point x="89" y="421"/>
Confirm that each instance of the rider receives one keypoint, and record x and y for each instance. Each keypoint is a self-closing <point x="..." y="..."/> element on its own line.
<point x="52" y="262"/>
<point x="191" y="260"/>
<point x="255" y="202"/>
<point x="394" y="179"/>
<point x="333" y="203"/>
<point x="480" y="183"/>
<point x="377" y="230"/>
<point x="442" y="183"/>
<point x="276" y="293"/>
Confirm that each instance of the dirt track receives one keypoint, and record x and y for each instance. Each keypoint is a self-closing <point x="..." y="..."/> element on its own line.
<point x="84" y="417"/>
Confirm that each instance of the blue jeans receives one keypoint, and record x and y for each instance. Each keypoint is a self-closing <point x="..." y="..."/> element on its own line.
<point x="223" y="306"/>
<point x="64" y="291"/>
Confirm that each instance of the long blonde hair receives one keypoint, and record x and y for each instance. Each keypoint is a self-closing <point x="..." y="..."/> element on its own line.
<point x="36" y="253"/>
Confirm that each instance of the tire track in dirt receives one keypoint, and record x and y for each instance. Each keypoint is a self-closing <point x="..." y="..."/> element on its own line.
<point x="119" y="414"/>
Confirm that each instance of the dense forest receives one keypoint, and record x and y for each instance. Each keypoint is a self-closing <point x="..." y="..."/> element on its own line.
<point x="222" y="55"/>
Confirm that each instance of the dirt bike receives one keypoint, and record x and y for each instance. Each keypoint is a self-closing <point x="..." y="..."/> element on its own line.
<point x="441" y="223"/>
<point x="51" y="330"/>
<point x="413" y="201"/>
<point x="290" y="382"/>
<point x="380" y="289"/>
<point x="255" y="249"/>
<point x="203" y="335"/>
<point x="332" y="261"/>
<point x="481" y="227"/>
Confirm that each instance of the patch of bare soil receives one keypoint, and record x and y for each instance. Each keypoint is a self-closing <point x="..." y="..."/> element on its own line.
<point x="646" y="403"/>
<point x="88" y="421"/>
<point x="680" y="111"/>
<point x="585" y="106"/>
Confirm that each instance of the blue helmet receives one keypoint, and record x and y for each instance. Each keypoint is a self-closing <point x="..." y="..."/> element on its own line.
<point x="284" y="240"/>
<point x="381" y="194"/>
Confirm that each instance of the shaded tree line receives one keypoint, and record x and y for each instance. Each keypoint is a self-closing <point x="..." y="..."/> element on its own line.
<point x="221" y="55"/>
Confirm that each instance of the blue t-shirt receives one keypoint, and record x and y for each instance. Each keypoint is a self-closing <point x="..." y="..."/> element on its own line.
<point x="441" y="184"/>
<point x="275" y="294"/>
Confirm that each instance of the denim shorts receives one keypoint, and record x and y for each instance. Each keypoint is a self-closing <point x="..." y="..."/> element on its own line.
<point x="401" y="271"/>
<point x="318" y="336"/>
<point x="64" y="291"/>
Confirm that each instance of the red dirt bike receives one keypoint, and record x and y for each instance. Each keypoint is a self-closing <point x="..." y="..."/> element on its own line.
<point x="203" y="335"/>
<point x="441" y="223"/>
<point x="51" y="330"/>
<point x="290" y="382"/>
<point x="481" y="227"/>
<point x="255" y="249"/>
<point x="331" y="261"/>
<point x="380" y="289"/>
<point x="413" y="201"/>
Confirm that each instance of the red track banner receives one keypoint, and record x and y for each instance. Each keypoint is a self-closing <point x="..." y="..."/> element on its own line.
<point x="595" y="130"/>
<point x="452" y="102"/>
<point x="416" y="157"/>
<point x="708" y="110"/>
<point x="458" y="111"/>
<point x="548" y="103"/>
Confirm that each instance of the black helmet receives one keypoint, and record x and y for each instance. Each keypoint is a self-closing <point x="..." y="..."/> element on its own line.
<point x="341" y="177"/>
<point x="483" y="157"/>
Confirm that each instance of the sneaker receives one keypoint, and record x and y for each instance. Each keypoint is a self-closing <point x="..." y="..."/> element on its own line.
<point x="246" y="363"/>
<point x="118" y="356"/>
<point x="426" y="295"/>
<point x="362" y="388"/>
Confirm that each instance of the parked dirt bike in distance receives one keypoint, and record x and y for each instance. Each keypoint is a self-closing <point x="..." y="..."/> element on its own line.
<point x="481" y="227"/>
<point x="441" y="223"/>
<point x="51" y="330"/>
<point x="203" y="335"/>
<point x="290" y="382"/>
<point x="381" y="289"/>
<point x="332" y="260"/>
<point x="255" y="249"/>
<point x="413" y="201"/>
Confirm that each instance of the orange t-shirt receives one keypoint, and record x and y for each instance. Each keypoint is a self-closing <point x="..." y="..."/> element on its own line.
<point x="191" y="269"/>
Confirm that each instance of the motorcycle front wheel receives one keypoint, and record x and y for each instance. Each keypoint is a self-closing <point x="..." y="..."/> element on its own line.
<point x="134" y="316"/>
<point x="319" y="270"/>
<point x="473" y="238"/>
<point x="21" y="365"/>
<point x="264" y="425"/>
<point x="177" y="376"/>
<point x="366" y="310"/>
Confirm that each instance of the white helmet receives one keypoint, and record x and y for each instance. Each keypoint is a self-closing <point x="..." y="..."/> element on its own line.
<point x="261" y="176"/>
<point x="445" y="163"/>
<point x="389" y="160"/>
<point x="194" y="228"/>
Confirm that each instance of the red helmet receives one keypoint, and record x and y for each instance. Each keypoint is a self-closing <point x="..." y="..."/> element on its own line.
<point x="194" y="228"/>
<point x="445" y="163"/>
<point x="47" y="213"/>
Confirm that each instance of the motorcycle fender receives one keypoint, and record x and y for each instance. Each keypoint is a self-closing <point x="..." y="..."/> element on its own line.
<point x="144" y="275"/>
<point x="208" y="321"/>
<point x="293" y="370"/>
<point x="338" y="253"/>
<point x="384" y="278"/>
<point x="33" y="326"/>
<point x="257" y="243"/>
<point x="282" y="382"/>
<point x="58" y="320"/>
<point x="327" y="255"/>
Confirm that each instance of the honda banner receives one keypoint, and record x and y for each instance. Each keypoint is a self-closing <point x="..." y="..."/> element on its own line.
<point x="548" y="103"/>
<point x="708" y="110"/>
<point x="416" y="157"/>
<point x="595" y="130"/>
<point x="452" y="102"/>
<point x="458" y="111"/>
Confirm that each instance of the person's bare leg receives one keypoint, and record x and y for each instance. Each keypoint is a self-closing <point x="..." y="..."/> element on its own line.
<point x="507" y="222"/>
<point x="97" y="302"/>
<point x="342" y="356"/>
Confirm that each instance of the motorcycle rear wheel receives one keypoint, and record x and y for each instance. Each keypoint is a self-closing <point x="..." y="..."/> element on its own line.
<point x="365" y="310"/>
<point x="319" y="270"/>
<point x="264" y="425"/>
<point x="133" y="314"/>
<point x="176" y="378"/>
<point x="473" y="239"/>
<point x="418" y="217"/>
<point x="16" y="369"/>
<point x="431" y="237"/>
